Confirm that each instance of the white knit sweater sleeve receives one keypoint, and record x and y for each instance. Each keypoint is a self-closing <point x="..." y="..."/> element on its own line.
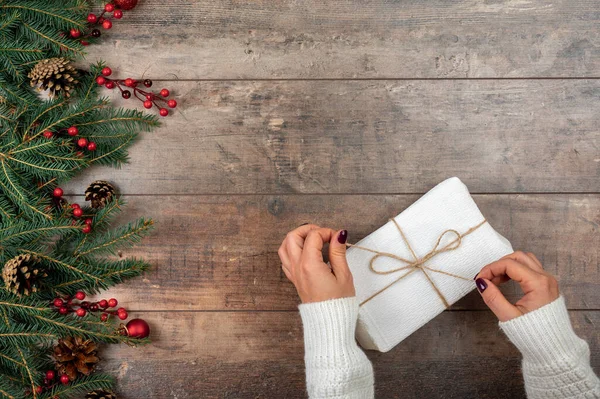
<point x="336" y="368"/>
<point x="556" y="362"/>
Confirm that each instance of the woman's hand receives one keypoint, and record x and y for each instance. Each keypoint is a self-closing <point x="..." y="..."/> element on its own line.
<point x="302" y="261"/>
<point x="540" y="288"/>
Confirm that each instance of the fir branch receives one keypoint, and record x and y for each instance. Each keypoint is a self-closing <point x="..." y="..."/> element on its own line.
<point x="114" y="240"/>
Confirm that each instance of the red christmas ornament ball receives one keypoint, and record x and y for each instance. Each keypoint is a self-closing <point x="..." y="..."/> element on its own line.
<point x="73" y="131"/>
<point x="101" y="80"/>
<point x="64" y="379"/>
<point x="148" y="104"/>
<point x="118" y="14"/>
<point x="80" y="295"/>
<point x="109" y="7"/>
<point x="126" y="4"/>
<point x="58" y="192"/>
<point x="91" y="146"/>
<point x="77" y="212"/>
<point x="107" y="24"/>
<point x="137" y="328"/>
<point x="82" y="142"/>
<point x="92" y="18"/>
<point x="86" y="229"/>
<point x="164" y="93"/>
<point x="172" y="103"/>
<point x="106" y="71"/>
<point x="163" y="112"/>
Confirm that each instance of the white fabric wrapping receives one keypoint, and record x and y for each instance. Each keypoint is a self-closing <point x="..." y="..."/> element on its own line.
<point x="400" y="310"/>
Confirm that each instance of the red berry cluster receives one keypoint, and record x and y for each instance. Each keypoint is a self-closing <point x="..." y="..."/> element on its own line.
<point x="73" y="131"/>
<point x="50" y="383"/>
<point x="103" y="19"/>
<point x="147" y="98"/>
<point x="77" y="211"/>
<point x="66" y="305"/>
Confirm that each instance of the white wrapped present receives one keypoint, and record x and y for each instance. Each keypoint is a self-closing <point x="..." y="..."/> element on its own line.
<point x="419" y="263"/>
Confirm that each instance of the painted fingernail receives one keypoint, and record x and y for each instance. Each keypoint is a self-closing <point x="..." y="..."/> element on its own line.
<point x="481" y="284"/>
<point x="343" y="236"/>
<point x="475" y="278"/>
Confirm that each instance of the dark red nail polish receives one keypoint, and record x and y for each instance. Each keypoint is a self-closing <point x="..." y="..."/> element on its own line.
<point x="481" y="284"/>
<point x="343" y="236"/>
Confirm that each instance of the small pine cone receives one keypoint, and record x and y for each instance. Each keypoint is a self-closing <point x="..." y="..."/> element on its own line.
<point x="74" y="356"/>
<point x="22" y="274"/>
<point x="99" y="192"/>
<point x="100" y="394"/>
<point x="56" y="75"/>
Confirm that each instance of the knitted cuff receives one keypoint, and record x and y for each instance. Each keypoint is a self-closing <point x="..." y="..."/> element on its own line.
<point x="545" y="336"/>
<point x="329" y="328"/>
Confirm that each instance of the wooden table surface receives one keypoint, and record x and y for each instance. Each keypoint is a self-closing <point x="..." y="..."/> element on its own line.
<point x="343" y="113"/>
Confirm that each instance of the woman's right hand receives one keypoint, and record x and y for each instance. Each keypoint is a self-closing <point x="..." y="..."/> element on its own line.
<point x="539" y="287"/>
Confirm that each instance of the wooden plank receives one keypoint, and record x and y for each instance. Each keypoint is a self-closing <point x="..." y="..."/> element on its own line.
<point x="220" y="252"/>
<point x="369" y="137"/>
<point x="223" y="39"/>
<point x="259" y="355"/>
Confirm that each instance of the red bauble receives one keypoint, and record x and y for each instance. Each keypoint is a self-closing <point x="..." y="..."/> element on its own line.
<point x="163" y="112"/>
<point x="48" y="134"/>
<point x="109" y="7"/>
<point x="148" y="104"/>
<point x="164" y="93"/>
<point x="64" y="379"/>
<point x="126" y="4"/>
<point x="106" y="71"/>
<point x="75" y="33"/>
<point x="118" y="14"/>
<point x="107" y="24"/>
<point x="77" y="212"/>
<point x="58" y="192"/>
<point x="172" y="103"/>
<point x="92" y="18"/>
<point x="112" y="302"/>
<point x="137" y="328"/>
<point x="91" y="146"/>
<point x="82" y="142"/>
<point x="110" y="85"/>
<point x="100" y="80"/>
<point x="73" y="131"/>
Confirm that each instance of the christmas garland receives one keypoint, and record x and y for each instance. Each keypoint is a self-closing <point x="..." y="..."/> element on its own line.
<point x="53" y="253"/>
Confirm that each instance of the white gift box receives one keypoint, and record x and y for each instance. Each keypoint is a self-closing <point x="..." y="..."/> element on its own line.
<point x="393" y="306"/>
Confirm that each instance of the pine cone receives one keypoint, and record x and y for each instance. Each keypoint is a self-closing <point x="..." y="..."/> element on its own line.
<point x="99" y="192"/>
<point x="100" y="394"/>
<point x="74" y="356"/>
<point x="22" y="274"/>
<point x="56" y="75"/>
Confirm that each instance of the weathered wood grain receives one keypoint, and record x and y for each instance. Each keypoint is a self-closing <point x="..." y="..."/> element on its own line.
<point x="369" y="137"/>
<point x="260" y="355"/>
<point x="225" y="39"/>
<point x="220" y="252"/>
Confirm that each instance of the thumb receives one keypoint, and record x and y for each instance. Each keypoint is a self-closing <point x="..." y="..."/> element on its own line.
<point x="495" y="300"/>
<point x="337" y="253"/>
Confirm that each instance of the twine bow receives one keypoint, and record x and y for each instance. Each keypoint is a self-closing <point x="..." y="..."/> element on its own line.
<point x="418" y="263"/>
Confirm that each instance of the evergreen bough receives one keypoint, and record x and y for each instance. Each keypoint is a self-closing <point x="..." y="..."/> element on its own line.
<point x="31" y="166"/>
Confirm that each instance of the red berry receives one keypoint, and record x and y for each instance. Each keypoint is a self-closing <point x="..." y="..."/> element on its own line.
<point x="39" y="389"/>
<point x="103" y="303"/>
<point x="64" y="379"/>
<point x="73" y="131"/>
<point x="50" y="374"/>
<point x="75" y="33"/>
<point x="109" y="7"/>
<point x="58" y="192"/>
<point x="48" y="134"/>
<point x="104" y="316"/>
<point x="172" y="103"/>
<point x="85" y="43"/>
<point x="94" y="307"/>
<point x="92" y="18"/>
<point x="126" y="94"/>
<point x="118" y="14"/>
<point x="100" y="80"/>
<point x="163" y="112"/>
<point x="110" y="84"/>
<point x="101" y="19"/>
<point x="86" y="229"/>
<point x="120" y="310"/>
<point x="112" y="302"/>
<point x="107" y="24"/>
<point x="82" y="142"/>
<point x="75" y="206"/>
<point x="150" y="96"/>
<point x="88" y="221"/>
<point x="81" y="312"/>
<point x="91" y="146"/>
<point x="58" y="302"/>
<point x="122" y="315"/>
<point x="164" y="93"/>
<point x="130" y="82"/>
<point x="147" y="83"/>
<point x="148" y="104"/>
<point x="77" y="212"/>
<point x="80" y="295"/>
<point x="106" y="71"/>
<point x="63" y="310"/>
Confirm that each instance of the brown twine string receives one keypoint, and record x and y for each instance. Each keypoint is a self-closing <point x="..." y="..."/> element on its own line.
<point x="418" y="263"/>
